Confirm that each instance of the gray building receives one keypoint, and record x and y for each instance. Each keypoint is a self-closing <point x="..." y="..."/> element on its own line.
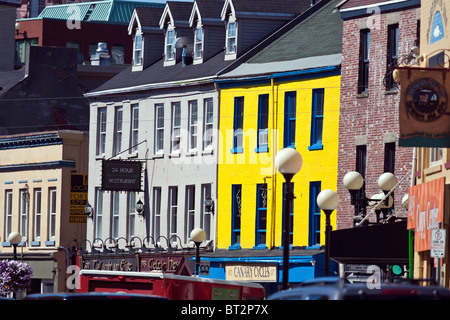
<point x="164" y="113"/>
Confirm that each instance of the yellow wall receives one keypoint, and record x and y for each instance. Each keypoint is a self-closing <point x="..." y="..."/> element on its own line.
<point x="250" y="168"/>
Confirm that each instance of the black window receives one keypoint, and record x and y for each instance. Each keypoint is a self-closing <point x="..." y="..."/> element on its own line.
<point x="363" y="76"/>
<point x="392" y="53"/>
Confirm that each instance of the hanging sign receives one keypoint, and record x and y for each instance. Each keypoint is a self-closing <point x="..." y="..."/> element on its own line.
<point x="120" y="175"/>
<point x="426" y="210"/>
<point x="78" y="197"/>
<point x="424" y="113"/>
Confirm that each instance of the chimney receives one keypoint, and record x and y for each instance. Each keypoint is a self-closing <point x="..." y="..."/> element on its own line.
<point x="102" y="56"/>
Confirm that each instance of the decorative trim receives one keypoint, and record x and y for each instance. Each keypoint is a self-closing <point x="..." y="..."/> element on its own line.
<point x="38" y="166"/>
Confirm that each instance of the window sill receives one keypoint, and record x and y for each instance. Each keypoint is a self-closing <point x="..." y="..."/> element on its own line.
<point x="317" y="146"/>
<point x="262" y="149"/>
<point x="235" y="246"/>
<point x="362" y="95"/>
<point x="158" y="156"/>
<point x="50" y="243"/>
<point x="207" y="151"/>
<point x="390" y="92"/>
<point x="237" y="150"/>
<point x="260" y="247"/>
<point x="35" y="243"/>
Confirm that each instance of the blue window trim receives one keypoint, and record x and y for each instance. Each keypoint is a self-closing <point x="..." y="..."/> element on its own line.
<point x="238" y="114"/>
<point x="263" y="109"/>
<point x="314" y="213"/>
<point x="316" y="140"/>
<point x="289" y="121"/>
<point x="260" y="210"/>
<point x="235" y="211"/>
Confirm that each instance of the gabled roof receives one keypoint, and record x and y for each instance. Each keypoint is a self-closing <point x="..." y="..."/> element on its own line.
<point x="115" y="11"/>
<point x="146" y="18"/>
<point x="312" y="40"/>
<point x="208" y="11"/>
<point x="356" y="8"/>
<point x="268" y="7"/>
<point x="178" y="12"/>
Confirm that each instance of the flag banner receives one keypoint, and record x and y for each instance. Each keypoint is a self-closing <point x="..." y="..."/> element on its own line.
<point x="424" y="113"/>
<point x="426" y="210"/>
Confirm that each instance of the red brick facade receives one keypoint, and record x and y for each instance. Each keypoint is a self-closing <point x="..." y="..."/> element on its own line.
<point x="372" y="119"/>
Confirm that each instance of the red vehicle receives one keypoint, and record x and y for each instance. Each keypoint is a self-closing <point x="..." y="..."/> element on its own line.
<point x="174" y="287"/>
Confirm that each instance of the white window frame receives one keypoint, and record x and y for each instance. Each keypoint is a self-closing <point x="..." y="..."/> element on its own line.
<point x="23" y="225"/>
<point x="137" y="48"/>
<point x="190" y="211"/>
<point x="208" y="120"/>
<point x="198" y="43"/>
<point x="131" y="214"/>
<point x="176" y="127"/>
<point x="115" y="214"/>
<point x="101" y="131"/>
<point x="173" y="212"/>
<point x="169" y="51"/>
<point x="118" y="126"/>
<point x="52" y="208"/>
<point x="8" y="212"/>
<point x="231" y="38"/>
<point x="156" y="212"/>
<point x="193" y="125"/>
<point x="159" y="128"/>
<point x="134" y="128"/>
<point x="37" y="198"/>
<point x="436" y="156"/>
<point x="99" y="213"/>
<point x="207" y="217"/>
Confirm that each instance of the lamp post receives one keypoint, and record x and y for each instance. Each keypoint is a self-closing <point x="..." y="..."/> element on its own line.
<point x="198" y="235"/>
<point x="288" y="162"/>
<point x="328" y="201"/>
<point x="354" y="181"/>
<point x="15" y="238"/>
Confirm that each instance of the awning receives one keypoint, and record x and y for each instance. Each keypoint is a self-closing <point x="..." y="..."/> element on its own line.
<point x="383" y="244"/>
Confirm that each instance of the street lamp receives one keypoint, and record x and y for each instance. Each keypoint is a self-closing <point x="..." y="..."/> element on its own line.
<point x="15" y="238"/>
<point x="288" y="162"/>
<point x="328" y="201"/>
<point x="354" y="181"/>
<point x="198" y="235"/>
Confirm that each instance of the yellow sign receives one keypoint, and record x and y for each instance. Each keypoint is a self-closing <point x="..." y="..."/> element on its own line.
<point x="78" y="197"/>
<point x="255" y="272"/>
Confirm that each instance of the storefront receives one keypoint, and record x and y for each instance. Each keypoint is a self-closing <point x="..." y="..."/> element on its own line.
<point x="264" y="266"/>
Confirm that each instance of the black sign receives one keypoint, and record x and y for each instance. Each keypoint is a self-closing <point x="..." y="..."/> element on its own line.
<point x="119" y="175"/>
<point x="110" y="263"/>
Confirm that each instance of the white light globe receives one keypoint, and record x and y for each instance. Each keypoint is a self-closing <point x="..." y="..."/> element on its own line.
<point x="288" y="161"/>
<point x="328" y="200"/>
<point x="353" y="180"/>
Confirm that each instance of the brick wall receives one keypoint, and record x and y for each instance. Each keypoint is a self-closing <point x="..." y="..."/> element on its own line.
<point x="373" y="118"/>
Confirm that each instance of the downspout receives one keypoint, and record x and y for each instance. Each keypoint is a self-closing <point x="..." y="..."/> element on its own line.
<point x="274" y="151"/>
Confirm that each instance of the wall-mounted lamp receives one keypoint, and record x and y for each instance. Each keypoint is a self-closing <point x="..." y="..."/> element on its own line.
<point x="88" y="210"/>
<point x="140" y="208"/>
<point x="17" y="27"/>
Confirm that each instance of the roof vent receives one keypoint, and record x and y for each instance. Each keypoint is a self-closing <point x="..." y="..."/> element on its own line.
<point x="101" y="56"/>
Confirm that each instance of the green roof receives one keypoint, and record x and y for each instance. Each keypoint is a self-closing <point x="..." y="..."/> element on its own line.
<point x="117" y="11"/>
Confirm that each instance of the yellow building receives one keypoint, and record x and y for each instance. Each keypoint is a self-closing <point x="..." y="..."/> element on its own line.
<point x="250" y="191"/>
<point x="40" y="174"/>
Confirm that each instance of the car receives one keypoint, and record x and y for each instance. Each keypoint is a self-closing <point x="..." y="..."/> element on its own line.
<point x="338" y="289"/>
<point x="92" y="296"/>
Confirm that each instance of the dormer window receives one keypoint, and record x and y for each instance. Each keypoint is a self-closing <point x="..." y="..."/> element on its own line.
<point x="170" y="37"/>
<point x="198" y="43"/>
<point x="137" y="61"/>
<point x="231" y="38"/>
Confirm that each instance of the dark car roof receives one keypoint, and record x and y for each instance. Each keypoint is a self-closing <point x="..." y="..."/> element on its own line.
<point x="336" y="289"/>
<point x="92" y="296"/>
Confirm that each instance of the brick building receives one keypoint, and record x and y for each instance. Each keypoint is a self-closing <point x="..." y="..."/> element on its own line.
<point x="375" y="36"/>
